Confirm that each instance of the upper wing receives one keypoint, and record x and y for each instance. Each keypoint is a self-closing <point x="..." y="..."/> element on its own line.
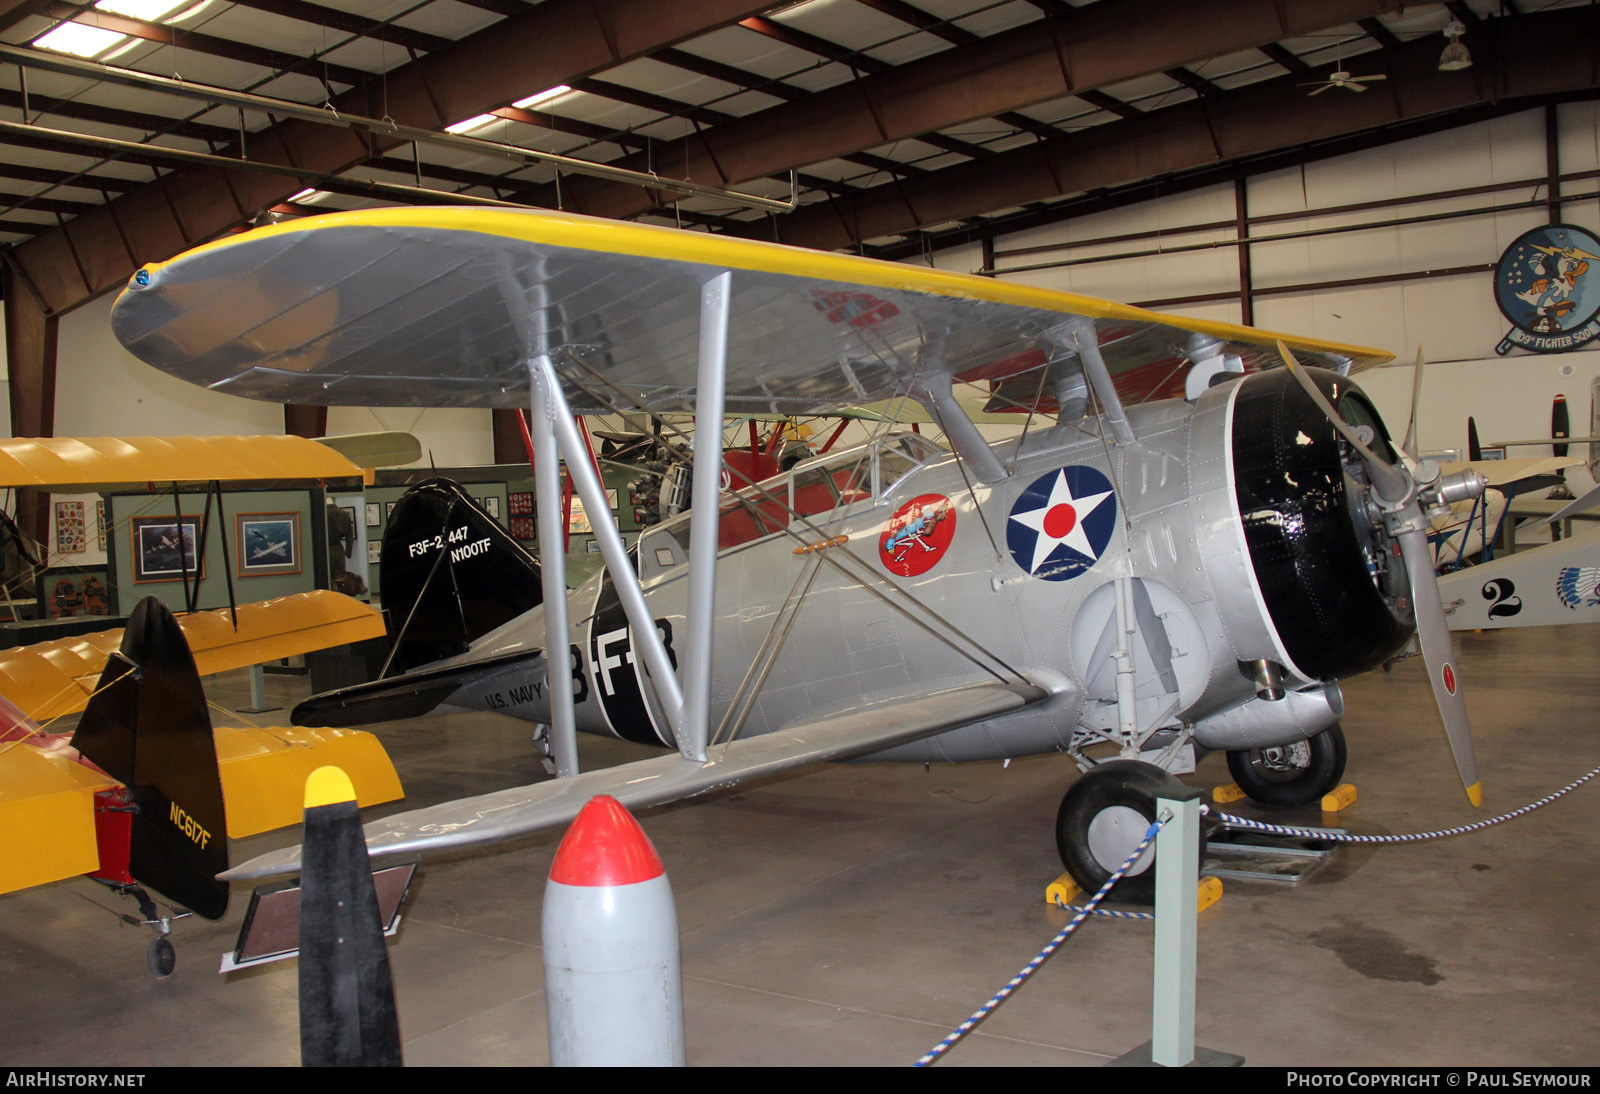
<point x="50" y="679"/>
<point x="427" y="306"/>
<point x="506" y="814"/>
<point x="98" y="463"/>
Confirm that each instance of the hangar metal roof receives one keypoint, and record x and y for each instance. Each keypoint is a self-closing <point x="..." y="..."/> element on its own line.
<point x="895" y="126"/>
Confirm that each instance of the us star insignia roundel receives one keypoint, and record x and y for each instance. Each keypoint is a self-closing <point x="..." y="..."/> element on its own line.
<point x="1061" y="523"/>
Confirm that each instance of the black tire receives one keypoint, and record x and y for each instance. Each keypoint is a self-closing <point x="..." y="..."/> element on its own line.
<point x="161" y="958"/>
<point x="1121" y="796"/>
<point x="1292" y="775"/>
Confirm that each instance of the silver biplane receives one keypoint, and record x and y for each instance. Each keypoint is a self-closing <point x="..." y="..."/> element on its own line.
<point x="1137" y="582"/>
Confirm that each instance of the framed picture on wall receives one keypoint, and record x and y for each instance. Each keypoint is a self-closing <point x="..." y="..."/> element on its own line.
<point x="267" y="543"/>
<point x="374" y="514"/>
<point x="491" y="505"/>
<point x="156" y="547"/>
<point x="71" y="533"/>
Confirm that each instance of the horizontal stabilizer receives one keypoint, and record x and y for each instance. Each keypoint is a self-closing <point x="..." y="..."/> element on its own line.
<point x="264" y="772"/>
<point x="411" y="695"/>
<point x="521" y="810"/>
<point x="47" y="815"/>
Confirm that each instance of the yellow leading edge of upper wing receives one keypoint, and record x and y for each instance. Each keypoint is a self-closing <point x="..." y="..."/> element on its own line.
<point x="88" y="462"/>
<point x="568" y="230"/>
<point x="50" y="679"/>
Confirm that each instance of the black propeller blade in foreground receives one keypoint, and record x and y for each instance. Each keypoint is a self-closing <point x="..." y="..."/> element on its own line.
<point x="1403" y="492"/>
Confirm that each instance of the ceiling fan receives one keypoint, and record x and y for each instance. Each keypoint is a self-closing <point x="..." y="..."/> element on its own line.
<point x="1340" y="78"/>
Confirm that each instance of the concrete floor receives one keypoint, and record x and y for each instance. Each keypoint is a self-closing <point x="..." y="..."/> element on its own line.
<point x="853" y="914"/>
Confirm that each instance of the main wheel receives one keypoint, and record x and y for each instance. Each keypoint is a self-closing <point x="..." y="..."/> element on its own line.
<point x="161" y="958"/>
<point x="1293" y="774"/>
<point x="1103" y="817"/>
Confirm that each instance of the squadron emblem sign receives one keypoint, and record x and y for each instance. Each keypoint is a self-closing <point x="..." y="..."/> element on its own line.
<point x="1544" y="285"/>
<point x="917" y="535"/>
<point x="1061" y="523"/>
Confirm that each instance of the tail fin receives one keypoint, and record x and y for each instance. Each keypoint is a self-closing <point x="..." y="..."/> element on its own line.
<point x="450" y="574"/>
<point x="147" y="727"/>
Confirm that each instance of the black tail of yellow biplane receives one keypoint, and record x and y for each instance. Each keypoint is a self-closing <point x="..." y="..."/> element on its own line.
<point x="147" y="726"/>
<point x="450" y="574"/>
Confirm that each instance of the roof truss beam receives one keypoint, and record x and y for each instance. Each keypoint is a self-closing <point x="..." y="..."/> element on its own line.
<point x="1530" y="58"/>
<point x="1084" y="49"/>
<point x="555" y="42"/>
<point x="204" y="43"/>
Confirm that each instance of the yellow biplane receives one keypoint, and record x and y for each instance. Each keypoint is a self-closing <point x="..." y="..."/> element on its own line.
<point x="147" y="791"/>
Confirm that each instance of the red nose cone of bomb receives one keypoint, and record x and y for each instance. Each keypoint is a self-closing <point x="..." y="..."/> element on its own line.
<point x="605" y="846"/>
<point x="613" y="988"/>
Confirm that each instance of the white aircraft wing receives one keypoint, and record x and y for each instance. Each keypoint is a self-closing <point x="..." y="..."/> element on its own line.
<point x="506" y="814"/>
<point x="444" y="307"/>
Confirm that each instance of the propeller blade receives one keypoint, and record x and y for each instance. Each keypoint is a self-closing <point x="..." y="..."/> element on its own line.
<point x="1410" y="444"/>
<point x="1433" y="633"/>
<point x="1577" y="505"/>
<point x="1390" y="482"/>
<point x="1394" y="484"/>
<point x="1474" y="449"/>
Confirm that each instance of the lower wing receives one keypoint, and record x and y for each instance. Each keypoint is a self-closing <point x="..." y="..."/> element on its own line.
<point x="522" y="810"/>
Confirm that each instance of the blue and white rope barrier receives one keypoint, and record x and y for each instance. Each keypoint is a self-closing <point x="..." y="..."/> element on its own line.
<point x="1055" y="944"/>
<point x="1414" y="837"/>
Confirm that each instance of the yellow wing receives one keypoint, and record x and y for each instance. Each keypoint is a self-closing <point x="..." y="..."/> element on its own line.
<point x="101" y="463"/>
<point x="429" y="307"/>
<point x="50" y="679"/>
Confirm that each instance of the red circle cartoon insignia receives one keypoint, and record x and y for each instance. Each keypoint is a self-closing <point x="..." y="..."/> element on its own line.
<point x="918" y="534"/>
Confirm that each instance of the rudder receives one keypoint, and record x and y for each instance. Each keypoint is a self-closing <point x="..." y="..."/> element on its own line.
<point x="147" y="726"/>
<point x="450" y="574"/>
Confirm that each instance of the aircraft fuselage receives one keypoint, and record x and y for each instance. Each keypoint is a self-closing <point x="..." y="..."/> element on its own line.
<point x="926" y="579"/>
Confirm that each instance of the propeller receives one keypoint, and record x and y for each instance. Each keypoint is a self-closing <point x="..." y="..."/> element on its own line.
<point x="1404" y="492"/>
<point x="1410" y="444"/>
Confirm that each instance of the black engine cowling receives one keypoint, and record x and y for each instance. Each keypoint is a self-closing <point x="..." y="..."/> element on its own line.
<point x="1332" y="580"/>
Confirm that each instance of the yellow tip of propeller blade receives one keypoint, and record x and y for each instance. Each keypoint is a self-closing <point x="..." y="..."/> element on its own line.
<point x="1475" y="794"/>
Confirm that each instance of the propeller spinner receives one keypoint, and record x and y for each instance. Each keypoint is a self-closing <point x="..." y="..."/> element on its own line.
<point x="1403" y="492"/>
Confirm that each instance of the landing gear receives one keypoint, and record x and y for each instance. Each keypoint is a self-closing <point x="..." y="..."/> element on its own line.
<point x="1103" y="817"/>
<point x="1294" y="774"/>
<point x="162" y="958"/>
<point x="160" y="954"/>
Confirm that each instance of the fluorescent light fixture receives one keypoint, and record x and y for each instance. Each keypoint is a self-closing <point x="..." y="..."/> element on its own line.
<point x="78" y="39"/>
<point x="148" y="10"/>
<point x="189" y="13"/>
<point x="106" y="58"/>
<point x="470" y="124"/>
<point x="543" y="97"/>
<point x="305" y="195"/>
<point x="84" y="40"/>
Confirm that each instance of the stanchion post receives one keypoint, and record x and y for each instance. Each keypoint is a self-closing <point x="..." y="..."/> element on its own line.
<point x="1177" y="912"/>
